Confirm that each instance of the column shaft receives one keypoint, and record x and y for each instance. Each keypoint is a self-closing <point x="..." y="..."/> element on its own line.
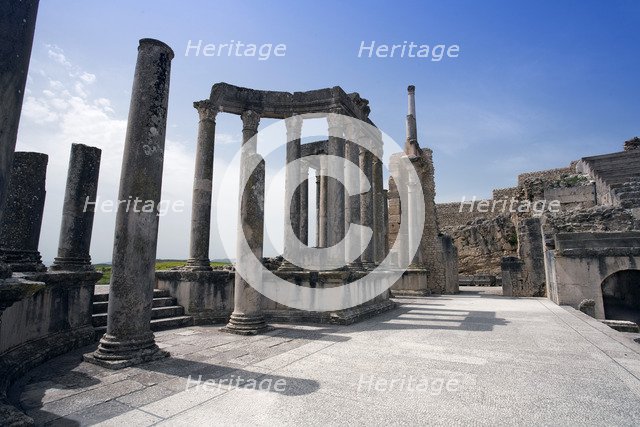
<point x="78" y="210"/>
<point x="291" y="192"/>
<point x="18" y="22"/>
<point x="304" y="207"/>
<point x="129" y="339"/>
<point x="366" y="207"/>
<point x="202" y="189"/>
<point x="22" y="220"/>
<point x="247" y="318"/>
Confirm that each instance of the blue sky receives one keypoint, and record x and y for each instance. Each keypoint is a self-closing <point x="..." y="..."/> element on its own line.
<point x="536" y="85"/>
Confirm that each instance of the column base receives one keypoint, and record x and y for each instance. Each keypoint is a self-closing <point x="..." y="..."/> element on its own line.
<point x="198" y="265"/>
<point x="23" y="261"/>
<point x="71" y="264"/>
<point x="241" y="324"/>
<point x="113" y="353"/>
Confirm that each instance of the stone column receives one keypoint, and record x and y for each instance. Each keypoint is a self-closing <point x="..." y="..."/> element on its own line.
<point x="129" y="339"/>
<point x="304" y="207"/>
<point x="411" y="145"/>
<point x="322" y="206"/>
<point x="247" y="318"/>
<point x="413" y="240"/>
<point x="78" y="209"/>
<point x="366" y="205"/>
<point x="22" y="219"/>
<point x="378" y="209"/>
<point x="18" y="22"/>
<point x="317" y="208"/>
<point x="202" y="189"/>
<point x="335" y="202"/>
<point x="352" y="202"/>
<point x="291" y="193"/>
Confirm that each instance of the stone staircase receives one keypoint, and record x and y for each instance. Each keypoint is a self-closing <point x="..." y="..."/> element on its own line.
<point x="165" y="314"/>
<point x="617" y="177"/>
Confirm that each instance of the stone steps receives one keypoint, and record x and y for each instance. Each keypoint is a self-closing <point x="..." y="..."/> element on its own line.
<point x="165" y="312"/>
<point x="621" y="173"/>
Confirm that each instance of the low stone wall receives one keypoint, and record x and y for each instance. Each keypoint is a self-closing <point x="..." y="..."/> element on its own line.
<point x="53" y="318"/>
<point x="572" y="198"/>
<point x="544" y="175"/>
<point x="208" y="296"/>
<point x="505" y="193"/>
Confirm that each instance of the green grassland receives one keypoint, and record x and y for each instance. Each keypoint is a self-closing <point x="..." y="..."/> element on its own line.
<point x="160" y="265"/>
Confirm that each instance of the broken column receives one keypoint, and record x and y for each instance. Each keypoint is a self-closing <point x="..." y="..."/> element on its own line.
<point x="22" y="219"/>
<point x="511" y="271"/>
<point x="129" y="339"/>
<point x="202" y="189"/>
<point x="78" y="209"/>
<point x="531" y="252"/>
<point x="304" y="206"/>
<point x="247" y="318"/>
<point x="18" y="22"/>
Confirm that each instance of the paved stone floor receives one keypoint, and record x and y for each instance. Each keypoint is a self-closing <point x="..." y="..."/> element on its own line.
<point x="472" y="358"/>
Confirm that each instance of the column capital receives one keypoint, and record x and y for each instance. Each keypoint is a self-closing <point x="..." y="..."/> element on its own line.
<point x="206" y="110"/>
<point x="250" y="120"/>
<point x="294" y="127"/>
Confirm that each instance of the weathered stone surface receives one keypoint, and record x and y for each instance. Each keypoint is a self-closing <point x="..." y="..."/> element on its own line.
<point x="18" y="21"/>
<point x="78" y="209"/>
<point x="22" y="220"/>
<point x="129" y="339"/>
<point x="531" y="252"/>
<point x="202" y="189"/>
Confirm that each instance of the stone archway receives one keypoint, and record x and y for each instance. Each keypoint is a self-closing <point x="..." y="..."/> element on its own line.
<point x="621" y="296"/>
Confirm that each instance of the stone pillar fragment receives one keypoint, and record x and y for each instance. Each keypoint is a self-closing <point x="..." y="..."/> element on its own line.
<point x="511" y="271"/>
<point x="531" y="252"/>
<point x="247" y="318"/>
<point x="317" y="209"/>
<point x="129" y="339"/>
<point x="18" y="21"/>
<point x="378" y="212"/>
<point x="78" y="210"/>
<point x="22" y="219"/>
<point x="202" y="189"/>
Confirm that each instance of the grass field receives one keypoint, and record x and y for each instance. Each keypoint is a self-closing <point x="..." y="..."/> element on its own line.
<point x="160" y="265"/>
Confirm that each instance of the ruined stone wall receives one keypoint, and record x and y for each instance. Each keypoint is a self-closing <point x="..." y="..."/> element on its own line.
<point x="450" y="215"/>
<point x="482" y="243"/>
<point x="545" y="175"/>
<point x="505" y="193"/>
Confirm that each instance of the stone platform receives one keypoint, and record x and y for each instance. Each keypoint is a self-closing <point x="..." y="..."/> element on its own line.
<point x="473" y="358"/>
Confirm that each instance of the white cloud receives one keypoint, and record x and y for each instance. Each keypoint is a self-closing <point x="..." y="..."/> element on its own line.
<point x="66" y="113"/>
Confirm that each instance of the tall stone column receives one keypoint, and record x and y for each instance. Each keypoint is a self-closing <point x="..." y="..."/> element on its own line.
<point x="78" y="209"/>
<point x="22" y="219"/>
<point x="378" y="208"/>
<point x="304" y="207"/>
<point x="366" y="206"/>
<point x="335" y="208"/>
<point x="247" y="318"/>
<point x="18" y="22"/>
<point x="291" y="193"/>
<point x="317" y="209"/>
<point x="322" y="206"/>
<point x="202" y="189"/>
<point x="411" y="146"/>
<point x="129" y="339"/>
<point x="352" y="202"/>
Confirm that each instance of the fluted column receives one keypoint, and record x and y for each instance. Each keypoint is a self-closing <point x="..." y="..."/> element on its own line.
<point x="129" y="339"/>
<point x="247" y="318"/>
<point x="291" y="193"/>
<point x="202" y="189"/>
